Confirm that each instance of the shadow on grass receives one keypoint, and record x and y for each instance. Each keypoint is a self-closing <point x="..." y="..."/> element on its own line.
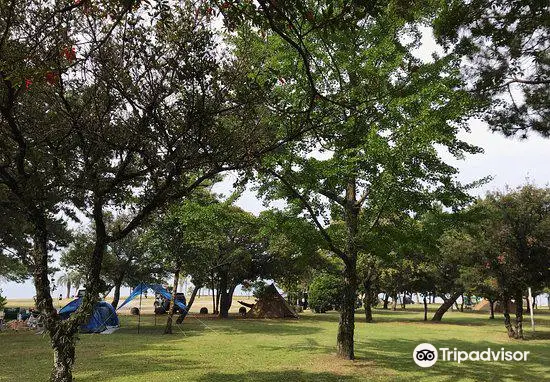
<point x="277" y="376"/>
<point x="137" y="356"/>
<point x="197" y="326"/>
<point x="384" y="316"/>
<point x="396" y="355"/>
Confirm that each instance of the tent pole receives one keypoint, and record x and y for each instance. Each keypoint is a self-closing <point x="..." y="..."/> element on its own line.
<point x="139" y="315"/>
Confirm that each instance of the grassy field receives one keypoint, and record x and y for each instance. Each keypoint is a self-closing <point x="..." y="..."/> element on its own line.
<point x="284" y="350"/>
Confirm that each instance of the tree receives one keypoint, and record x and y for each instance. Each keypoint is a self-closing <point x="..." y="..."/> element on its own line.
<point x="508" y="66"/>
<point x="325" y="293"/>
<point x="214" y="242"/>
<point x="128" y="261"/>
<point x="505" y="250"/>
<point x="368" y="267"/>
<point x="378" y="115"/>
<point x="71" y="278"/>
<point x="294" y="251"/>
<point x="174" y="242"/>
<point x="115" y="105"/>
<point x="514" y="246"/>
<point x="454" y="255"/>
<point x="236" y="253"/>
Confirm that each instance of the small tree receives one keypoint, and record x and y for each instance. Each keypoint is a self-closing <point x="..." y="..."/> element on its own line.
<point x="515" y="246"/>
<point x="325" y="293"/>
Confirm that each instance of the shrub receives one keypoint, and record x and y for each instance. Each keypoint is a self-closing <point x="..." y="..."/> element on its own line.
<point x="325" y="292"/>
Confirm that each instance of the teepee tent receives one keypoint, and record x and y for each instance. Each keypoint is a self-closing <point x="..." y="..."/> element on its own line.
<point x="271" y="305"/>
<point x="484" y="306"/>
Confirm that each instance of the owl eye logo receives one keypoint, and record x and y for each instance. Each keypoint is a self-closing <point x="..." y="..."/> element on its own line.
<point x="425" y="355"/>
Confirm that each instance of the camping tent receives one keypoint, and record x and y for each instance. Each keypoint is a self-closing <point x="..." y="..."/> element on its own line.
<point x="271" y="305"/>
<point x="142" y="287"/>
<point x="484" y="306"/>
<point x="103" y="317"/>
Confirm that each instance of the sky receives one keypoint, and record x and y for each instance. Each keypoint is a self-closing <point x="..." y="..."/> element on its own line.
<point x="509" y="161"/>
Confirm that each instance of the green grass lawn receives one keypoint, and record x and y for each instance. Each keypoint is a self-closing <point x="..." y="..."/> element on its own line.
<point x="285" y="350"/>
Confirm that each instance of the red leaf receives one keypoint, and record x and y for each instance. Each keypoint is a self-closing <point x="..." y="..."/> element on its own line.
<point x="69" y="54"/>
<point x="52" y="78"/>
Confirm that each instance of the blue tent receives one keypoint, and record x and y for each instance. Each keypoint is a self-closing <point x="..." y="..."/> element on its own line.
<point x="103" y="316"/>
<point x="142" y="287"/>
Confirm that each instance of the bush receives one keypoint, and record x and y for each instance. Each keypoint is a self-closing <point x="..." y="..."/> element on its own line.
<point x="325" y="292"/>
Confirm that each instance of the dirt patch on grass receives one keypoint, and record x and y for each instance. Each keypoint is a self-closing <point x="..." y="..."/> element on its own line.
<point x="330" y="363"/>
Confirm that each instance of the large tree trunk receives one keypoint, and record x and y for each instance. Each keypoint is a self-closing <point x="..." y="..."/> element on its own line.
<point x="346" y="326"/>
<point x="189" y="305"/>
<point x="63" y="333"/>
<point x="507" y="321"/>
<point x="168" y="329"/>
<point x="63" y="344"/>
<point x="368" y="310"/>
<point x="519" y="316"/>
<point x="447" y="303"/>
<point x="492" y="308"/>
<point x="62" y="369"/>
<point x="116" y="295"/>
<point x="425" y="308"/>
<point x="394" y="302"/>
<point x="386" y="301"/>
<point x="462" y="303"/>
<point x="223" y="297"/>
<point x="367" y="301"/>
<point x="226" y="296"/>
<point x="192" y="297"/>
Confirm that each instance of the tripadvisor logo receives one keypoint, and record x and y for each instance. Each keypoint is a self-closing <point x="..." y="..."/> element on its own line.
<point x="426" y="355"/>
